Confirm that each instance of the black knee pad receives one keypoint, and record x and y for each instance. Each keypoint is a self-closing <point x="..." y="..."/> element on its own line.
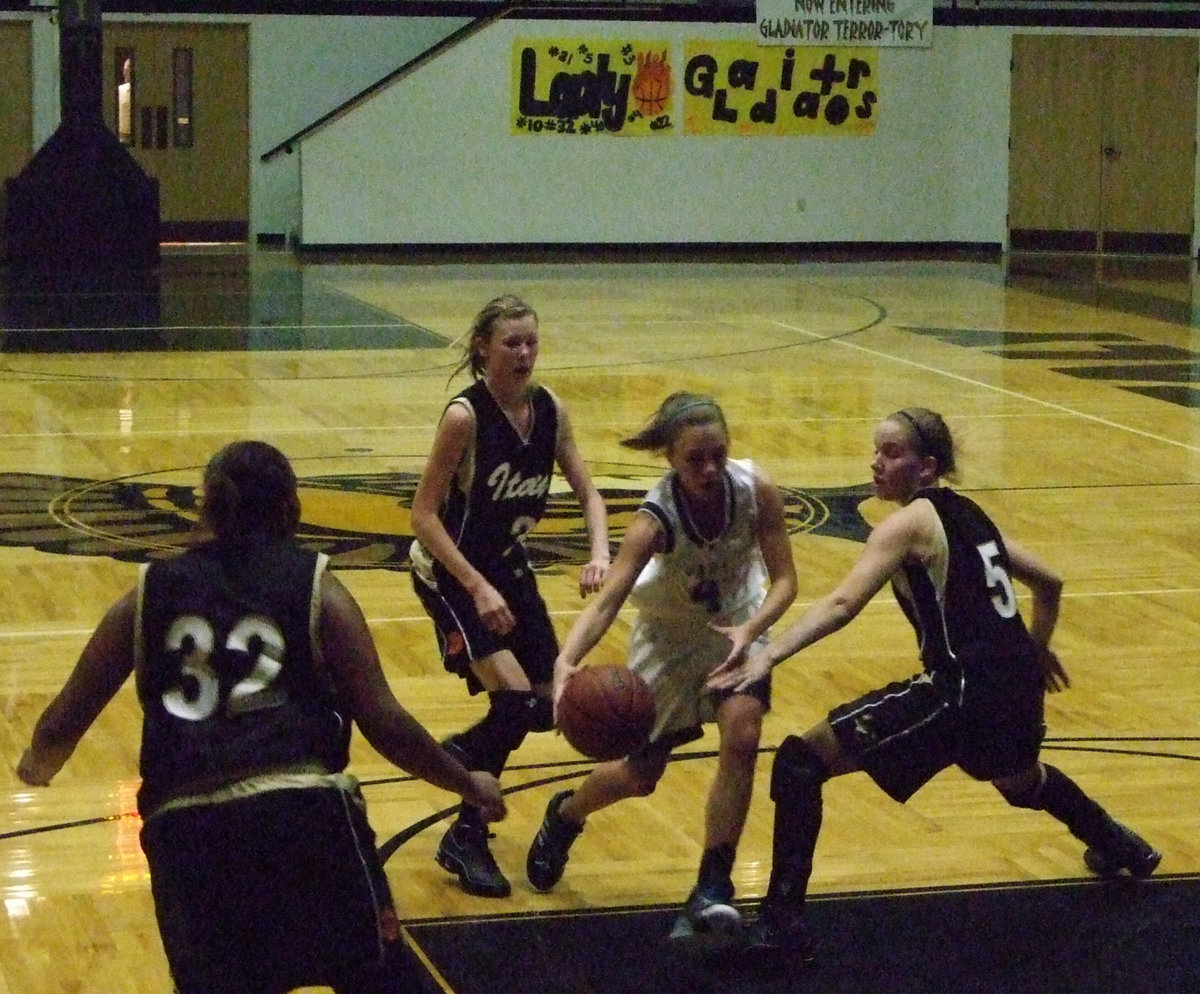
<point x="541" y="714"/>
<point x="1029" y="797"/>
<point x="797" y="770"/>
<point x="514" y="714"/>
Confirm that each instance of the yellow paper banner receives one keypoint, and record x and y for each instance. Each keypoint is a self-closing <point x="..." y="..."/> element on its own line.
<point x="739" y="88"/>
<point x="592" y="86"/>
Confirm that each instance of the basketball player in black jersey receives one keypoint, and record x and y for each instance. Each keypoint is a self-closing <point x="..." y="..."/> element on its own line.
<point x="484" y="488"/>
<point x="251" y="662"/>
<point x="978" y="704"/>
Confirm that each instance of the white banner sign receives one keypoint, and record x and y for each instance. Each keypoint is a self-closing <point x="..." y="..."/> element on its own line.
<point x="890" y="23"/>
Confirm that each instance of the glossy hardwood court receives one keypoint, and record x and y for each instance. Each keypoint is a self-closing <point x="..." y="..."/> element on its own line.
<point x="1073" y="386"/>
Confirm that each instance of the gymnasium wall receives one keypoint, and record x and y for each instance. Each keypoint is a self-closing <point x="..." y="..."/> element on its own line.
<point x="304" y="67"/>
<point x="301" y="67"/>
<point x="434" y="160"/>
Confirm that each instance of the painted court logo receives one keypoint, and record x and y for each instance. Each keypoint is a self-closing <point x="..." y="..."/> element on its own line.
<point x="360" y="520"/>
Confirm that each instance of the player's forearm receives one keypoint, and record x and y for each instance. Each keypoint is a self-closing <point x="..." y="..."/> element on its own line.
<point x="54" y="740"/>
<point x="586" y="632"/>
<point x="402" y="740"/>
<point x="778" y="599"/>
<point x="823" y="618"/>
<point x="1043" y="619"/>
<point x="437" y="542"/>
<point x="595" y="518"/>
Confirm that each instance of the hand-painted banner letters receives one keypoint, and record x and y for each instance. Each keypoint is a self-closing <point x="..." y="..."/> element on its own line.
<point x="591" y="86"/>
<point x="739" y="88"/>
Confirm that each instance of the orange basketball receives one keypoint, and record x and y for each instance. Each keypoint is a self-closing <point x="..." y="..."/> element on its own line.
<point x="606" y="712"/>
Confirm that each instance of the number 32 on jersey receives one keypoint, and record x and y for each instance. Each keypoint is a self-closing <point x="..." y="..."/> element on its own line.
<point x="196" y="695"/>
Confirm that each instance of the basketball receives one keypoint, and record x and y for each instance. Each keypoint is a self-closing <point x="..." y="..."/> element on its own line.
<point x="606" y="712"/>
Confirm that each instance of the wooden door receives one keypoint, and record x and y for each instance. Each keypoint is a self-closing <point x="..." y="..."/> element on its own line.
<point x="1148" y="144"/>
<point x="178" y="98"/>
<point x="16" y="101"/>
<point x="1056" y="121"/>
<point x="1102" y="143"/>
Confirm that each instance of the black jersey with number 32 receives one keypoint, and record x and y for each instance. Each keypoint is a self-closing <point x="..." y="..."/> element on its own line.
<point x="227" y="671"/>
<point x="963" y="606"/>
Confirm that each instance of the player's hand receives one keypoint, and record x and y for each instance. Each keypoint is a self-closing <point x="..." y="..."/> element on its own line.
<point x="1054" y="675"/>
<point x="737" y="674"/>
<point x="33" y="772"/>
<point x="563" y="671"/>
<point x="591" y="577"/>
<point x="485" y="795"/>
<point x="739" y="642"/>
<point x="493" y="610"/>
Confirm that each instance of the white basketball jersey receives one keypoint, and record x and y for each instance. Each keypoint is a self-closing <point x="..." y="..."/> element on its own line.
<point x="697" y="581"/>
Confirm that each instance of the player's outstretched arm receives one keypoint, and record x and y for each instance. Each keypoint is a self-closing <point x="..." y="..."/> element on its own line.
<point x="349" y="652"/>
<point x="103" y="666"/>
<point x="641" y="539"/>
<point x="886" y="547"/>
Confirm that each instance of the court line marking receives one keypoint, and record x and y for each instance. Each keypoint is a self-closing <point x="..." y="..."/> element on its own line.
<point x="424" y="426"/>
<point x="1061" y="408"/>
<point x="410" y="619"/>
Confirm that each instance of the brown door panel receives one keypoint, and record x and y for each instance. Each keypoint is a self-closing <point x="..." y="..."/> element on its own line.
<point x="1102" y="143"/>
<point x="189" y="121"/>
<point x="16" y="106"/>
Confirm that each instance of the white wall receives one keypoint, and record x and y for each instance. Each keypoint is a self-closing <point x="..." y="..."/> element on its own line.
<point x="431" y="159"/>
<point x="304" y="67"/>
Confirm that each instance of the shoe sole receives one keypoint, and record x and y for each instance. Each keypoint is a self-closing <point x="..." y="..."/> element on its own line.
<point x="705" y="943"/>
<point x="1103" y="867"/>
<point x="452" y="865"/>
<point x="541" y="886"/>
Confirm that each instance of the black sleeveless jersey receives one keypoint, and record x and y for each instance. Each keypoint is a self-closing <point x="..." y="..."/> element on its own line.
<point x="963" y="607"/>
<point x="500" y="493"/>
<point x="227" y="668"/>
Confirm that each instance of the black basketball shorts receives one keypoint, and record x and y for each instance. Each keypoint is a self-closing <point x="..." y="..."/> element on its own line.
<point x="463" y="638"/>
<point x="275" y="890"/>
<point x="903" y="734"/>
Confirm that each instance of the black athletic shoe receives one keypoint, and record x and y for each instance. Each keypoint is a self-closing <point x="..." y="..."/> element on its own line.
<point x="464" y="850"/>
<point x="548" y="853"/>
<point x="775" y="939"/>
<point x="709" y="911"/>
<point x="1122" y="850"/>
<point x="708" y="927"/>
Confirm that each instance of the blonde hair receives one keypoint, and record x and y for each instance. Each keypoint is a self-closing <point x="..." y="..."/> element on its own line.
<point x="931" y="437"/>
<point x="507" y="307"/>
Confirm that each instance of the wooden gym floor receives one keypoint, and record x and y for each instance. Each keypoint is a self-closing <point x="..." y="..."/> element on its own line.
<point x="1073" y="385"/>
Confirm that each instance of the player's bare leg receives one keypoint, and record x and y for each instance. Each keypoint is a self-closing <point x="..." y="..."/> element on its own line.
<point x="709" y="912"/>
<point x="568" y="810"/>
